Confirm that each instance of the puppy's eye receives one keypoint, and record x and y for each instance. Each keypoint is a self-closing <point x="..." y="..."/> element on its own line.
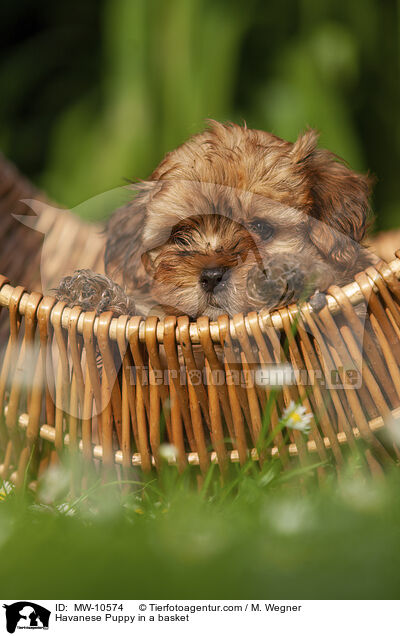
<point x="264" y="230"/>
<point x="179" y="239"/>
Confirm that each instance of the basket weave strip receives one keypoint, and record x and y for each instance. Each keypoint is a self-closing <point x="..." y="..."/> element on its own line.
<point x="355" y="292"/>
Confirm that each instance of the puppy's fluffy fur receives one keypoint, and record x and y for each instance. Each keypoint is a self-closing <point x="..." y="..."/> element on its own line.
<point x="271" y="217"/>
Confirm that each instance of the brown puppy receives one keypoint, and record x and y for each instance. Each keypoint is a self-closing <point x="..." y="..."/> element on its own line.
<point x="232" y="220"/>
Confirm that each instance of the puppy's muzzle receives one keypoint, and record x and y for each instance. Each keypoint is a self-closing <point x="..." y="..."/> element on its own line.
<point x="213" y="279"/>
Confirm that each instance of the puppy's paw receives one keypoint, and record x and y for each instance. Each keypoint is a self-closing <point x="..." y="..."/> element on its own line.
<point x="283" y="280"/>
<point x="94" y="292"/>
<point x="317" y="301"/>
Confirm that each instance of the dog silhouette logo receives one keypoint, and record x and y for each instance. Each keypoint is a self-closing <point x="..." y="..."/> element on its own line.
<point x="26" y="615"/>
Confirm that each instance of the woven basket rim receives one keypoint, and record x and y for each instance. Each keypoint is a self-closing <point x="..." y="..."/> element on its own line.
<point x="264" y="318"/>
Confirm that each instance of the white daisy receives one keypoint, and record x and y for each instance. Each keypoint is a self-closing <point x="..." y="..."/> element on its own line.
<point x="295" y="416"/>
<point x="169" y="452"/>
<point x="66" y="509"/>
<point x="6" y="487"/>
<point x="53" y="484"/>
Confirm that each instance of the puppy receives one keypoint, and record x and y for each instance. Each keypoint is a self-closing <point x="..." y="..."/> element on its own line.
<point x="231" y="221"/>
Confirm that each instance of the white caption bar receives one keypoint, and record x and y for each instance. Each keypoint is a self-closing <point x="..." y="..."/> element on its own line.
<point x="172" y="617"/>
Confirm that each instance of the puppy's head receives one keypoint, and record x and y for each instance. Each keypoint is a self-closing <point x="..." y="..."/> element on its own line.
<point x="230" y="200"/>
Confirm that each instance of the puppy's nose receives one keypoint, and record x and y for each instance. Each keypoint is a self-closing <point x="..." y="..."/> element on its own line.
<point x="211" y="278"/>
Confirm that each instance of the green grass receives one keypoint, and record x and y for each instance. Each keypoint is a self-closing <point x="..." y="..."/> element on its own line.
<point x="257" y="536"/>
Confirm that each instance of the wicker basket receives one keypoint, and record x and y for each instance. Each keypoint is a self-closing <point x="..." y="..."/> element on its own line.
<point x="192" y="384"/>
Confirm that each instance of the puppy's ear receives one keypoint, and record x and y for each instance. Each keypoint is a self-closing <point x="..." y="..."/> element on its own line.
<point x="124" y="245"/>
<point x="339" y="204"/>
<point x="148" y="259"/>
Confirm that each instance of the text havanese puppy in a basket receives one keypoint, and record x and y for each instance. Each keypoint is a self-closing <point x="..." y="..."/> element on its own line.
<point x="231" y="221"/>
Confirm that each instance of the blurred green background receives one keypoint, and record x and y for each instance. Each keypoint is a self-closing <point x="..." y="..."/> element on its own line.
<point x="96" y="92"/>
